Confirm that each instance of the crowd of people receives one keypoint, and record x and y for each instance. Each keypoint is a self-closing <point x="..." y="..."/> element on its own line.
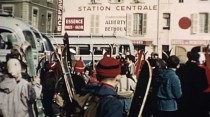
<point x="177" y="90"/>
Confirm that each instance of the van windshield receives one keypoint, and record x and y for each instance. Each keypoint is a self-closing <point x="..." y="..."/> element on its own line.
<point x="30" y="38"/>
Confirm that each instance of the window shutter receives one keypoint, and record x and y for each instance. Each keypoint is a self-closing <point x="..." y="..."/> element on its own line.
<point x="208" y="22"/>
<point x="92" y="24"/>
<point x="97" y="24"/>
<point x="201" y="22"/>
<point x="144" y="24"/>
<point x="194" y="23"/>
<point x="128" y="18"/>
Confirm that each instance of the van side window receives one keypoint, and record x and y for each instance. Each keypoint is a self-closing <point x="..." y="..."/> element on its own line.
<point x="81" y="49"/>
<point x="2" y="42"/>
<point x="84" y="50"/>
<point x="7" y="40"/>
<point x="29" y="37"/>
<point x="98" y="52"/>
<point x="114" y="51"/>
<point x="100" y="49"/>
<point x="124" y="49"/>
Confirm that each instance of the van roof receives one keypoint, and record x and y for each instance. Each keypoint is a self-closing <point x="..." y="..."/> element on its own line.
<point x="13" y="23"/>
<point x="94" y="40"/>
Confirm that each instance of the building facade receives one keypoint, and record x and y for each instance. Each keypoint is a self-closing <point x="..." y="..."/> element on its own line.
<point x="39" y="13"/>
<point x="188" y="25"/>
<point x="133" y="19"/>
<point x="152" y="25"/>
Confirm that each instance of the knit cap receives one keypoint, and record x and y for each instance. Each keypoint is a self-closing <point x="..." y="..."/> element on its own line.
<point x="108" y="67"/>
<point x="79" y="66"/>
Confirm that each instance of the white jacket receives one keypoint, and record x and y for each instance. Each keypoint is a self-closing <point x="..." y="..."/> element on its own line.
<point x="16" y="98"/>
<point x="126" y="86"/>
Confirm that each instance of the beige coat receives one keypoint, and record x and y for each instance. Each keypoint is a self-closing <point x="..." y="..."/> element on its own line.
<point x="16" y="98"/>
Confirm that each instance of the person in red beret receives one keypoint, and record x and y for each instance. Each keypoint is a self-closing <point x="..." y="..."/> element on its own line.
<point x="79" y="69"/>
<point x="78" y="77"/>
<point x="108" y="75"/>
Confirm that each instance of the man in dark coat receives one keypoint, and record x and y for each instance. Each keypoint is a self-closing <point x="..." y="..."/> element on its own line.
<point x="193" y="81"/>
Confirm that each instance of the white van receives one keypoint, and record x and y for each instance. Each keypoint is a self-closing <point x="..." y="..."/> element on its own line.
<point x="84" y="46"/>
<point x="14" y="33"/>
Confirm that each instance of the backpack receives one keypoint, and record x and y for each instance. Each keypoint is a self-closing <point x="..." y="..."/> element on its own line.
<point x="85" y="105"/>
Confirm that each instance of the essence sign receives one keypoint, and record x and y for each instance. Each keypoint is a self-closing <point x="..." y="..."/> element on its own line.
<point x="74" y="24"/>
<point x="59" y="16"/>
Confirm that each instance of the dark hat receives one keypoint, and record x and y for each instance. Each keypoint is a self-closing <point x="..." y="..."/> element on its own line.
<point x="193" y="56"/>
<point x="79" y="65"/>
<point x="108" y="67"/>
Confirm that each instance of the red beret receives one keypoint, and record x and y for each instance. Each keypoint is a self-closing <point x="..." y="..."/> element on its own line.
<point x="108" y="67"/>
<point x="79" y="66"/>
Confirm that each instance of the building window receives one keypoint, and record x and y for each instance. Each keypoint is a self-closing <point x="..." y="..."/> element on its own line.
<point x="139" y="23"/>
<point x="8" y="8"/>
<point x="204" y="22"/>
<point x="50" y="1"/>
<point x="166" y="21"/>
<point x="35" y="16"/>
<point x="94" y="1"/>
<point x="49" y="22"/>
<point x="181" y="1"/>
<point x="137" y="1"/>
<point x="94" y="24"/>
<point x="165" y="48"/>
<point x="116" y="1"/>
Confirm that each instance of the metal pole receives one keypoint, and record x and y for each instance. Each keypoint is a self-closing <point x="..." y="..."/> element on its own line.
<point x="158" y="41"/>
